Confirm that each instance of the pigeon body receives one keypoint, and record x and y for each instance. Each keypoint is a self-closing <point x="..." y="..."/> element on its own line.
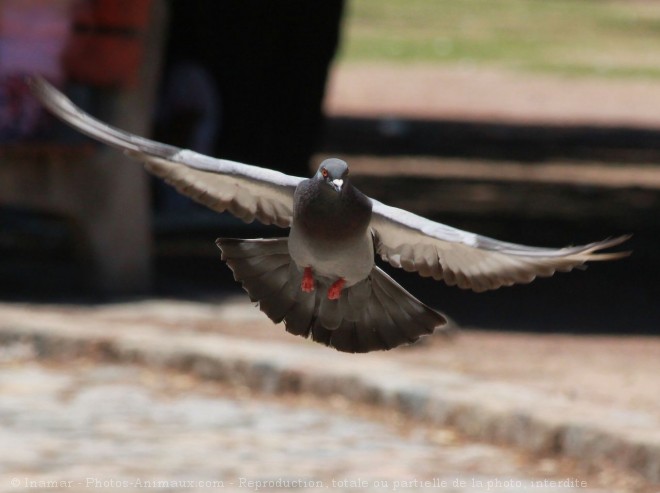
<point x="321" y="281"/>
<point x="330" y="230"/>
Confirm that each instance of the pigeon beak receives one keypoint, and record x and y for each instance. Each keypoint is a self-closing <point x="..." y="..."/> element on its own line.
<point x="337" y="185"/>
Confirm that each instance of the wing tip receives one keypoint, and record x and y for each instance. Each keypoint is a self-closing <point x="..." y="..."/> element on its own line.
<point x="593" y="256"/>
<point x="43" y="90"/>
<point x="39" y="87"/>
<point x="35" y="82"/>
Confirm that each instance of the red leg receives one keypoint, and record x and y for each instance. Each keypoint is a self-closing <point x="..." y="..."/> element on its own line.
<point x="307" y="284"/>
<point x="334" y="293"/>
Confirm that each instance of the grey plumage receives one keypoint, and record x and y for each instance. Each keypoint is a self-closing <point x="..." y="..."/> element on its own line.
<point x="322" y="280"/>
<point x="374" y="314"/>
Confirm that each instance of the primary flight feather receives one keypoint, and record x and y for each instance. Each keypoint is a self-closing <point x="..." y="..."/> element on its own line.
<point x="322" y="280"/>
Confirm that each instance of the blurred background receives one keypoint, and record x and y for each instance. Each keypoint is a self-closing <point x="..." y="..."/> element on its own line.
<point x="533" y="122"/>
<point x="126" y="348"/>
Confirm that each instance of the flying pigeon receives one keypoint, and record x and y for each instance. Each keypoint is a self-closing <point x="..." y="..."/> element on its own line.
<point x="322" y="281"/>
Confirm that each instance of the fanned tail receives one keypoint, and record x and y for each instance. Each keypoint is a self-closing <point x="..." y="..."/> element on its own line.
<point x="375" y="314"/>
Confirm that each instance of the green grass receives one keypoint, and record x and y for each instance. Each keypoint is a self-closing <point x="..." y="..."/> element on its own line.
<point x="581" y="37"/>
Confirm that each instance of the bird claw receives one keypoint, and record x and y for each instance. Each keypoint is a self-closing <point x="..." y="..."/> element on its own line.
<point x="334" y="292"/>
<point x="307" y="284"/>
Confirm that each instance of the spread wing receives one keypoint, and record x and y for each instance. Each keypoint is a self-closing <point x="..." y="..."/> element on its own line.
<point x="248" y="192"/>
<point x="468" y="260"/>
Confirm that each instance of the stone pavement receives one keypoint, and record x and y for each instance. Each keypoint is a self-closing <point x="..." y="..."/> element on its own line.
<point x="613" y="442"/>
<point x="83" y="427"/>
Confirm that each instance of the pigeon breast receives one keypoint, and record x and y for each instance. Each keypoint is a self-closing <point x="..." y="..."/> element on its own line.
<point x="330" y="232"/>
<point x="323" y="214"/>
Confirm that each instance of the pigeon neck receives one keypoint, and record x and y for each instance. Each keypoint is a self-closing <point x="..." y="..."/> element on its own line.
<point x="323" y="213"/>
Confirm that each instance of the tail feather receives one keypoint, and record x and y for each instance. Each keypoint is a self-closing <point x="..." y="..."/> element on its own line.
<point x="278" y="304"/>
<point x="376" y="318"/>
<point x="408" y="313"/>
<point x="367" y="336"/>
<point x="350" y="312"/>
<point x="375" y="314"/>
<point x="300" y="317"/>
<point x="379" y="313"/>
<point x="354" y="299"/>
<point x="345" y="338"/>
<point x="329" y="313"/>
<point x="320" y="334"/>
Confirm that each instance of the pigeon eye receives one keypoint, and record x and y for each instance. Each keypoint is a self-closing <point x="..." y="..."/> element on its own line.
<point x="324" y="172"/>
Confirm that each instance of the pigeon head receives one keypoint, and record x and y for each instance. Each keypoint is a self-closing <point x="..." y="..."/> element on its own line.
<point x="334" y="173"/>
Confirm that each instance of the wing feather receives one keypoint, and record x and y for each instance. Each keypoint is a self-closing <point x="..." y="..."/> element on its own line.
<point x="249" y="192"/>
<point x="471" y="261"/>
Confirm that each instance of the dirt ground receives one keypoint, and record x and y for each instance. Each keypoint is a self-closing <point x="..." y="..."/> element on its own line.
<point x="477" y="93"/>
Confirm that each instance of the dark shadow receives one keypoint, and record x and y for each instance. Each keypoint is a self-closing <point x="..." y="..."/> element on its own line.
<point x="490" y="140"/>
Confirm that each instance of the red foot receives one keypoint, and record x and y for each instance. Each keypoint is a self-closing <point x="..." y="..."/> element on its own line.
<point x="307" y="284"/>
<point x="334" y="293"/>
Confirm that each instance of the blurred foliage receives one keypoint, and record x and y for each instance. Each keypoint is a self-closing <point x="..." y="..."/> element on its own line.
<point x="577" y="37"/>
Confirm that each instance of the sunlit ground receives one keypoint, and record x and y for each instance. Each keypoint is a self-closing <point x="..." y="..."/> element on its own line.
<point x="586" y="37"/>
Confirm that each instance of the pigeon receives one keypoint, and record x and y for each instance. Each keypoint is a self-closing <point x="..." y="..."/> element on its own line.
<point x="322" y="280"/>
